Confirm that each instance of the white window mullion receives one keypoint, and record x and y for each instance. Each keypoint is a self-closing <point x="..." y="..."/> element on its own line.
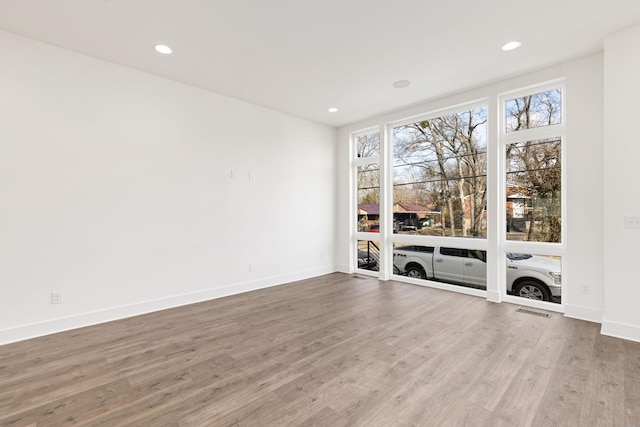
<point x="386" y="202"/>
<point x="495" y="205"/>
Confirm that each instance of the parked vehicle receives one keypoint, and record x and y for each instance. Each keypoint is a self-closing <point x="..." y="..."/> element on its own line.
<point x="367" y="261"/>
<point x="410" y="224"/>
<point x="528" y="276"/>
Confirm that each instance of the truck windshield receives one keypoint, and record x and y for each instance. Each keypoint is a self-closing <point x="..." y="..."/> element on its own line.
<point x="518" y="257"/>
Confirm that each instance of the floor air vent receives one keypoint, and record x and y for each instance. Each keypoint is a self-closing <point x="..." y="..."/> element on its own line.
<point x="535" y="313"/>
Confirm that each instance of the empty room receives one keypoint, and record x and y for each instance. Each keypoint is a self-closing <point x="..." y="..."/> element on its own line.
<point x="305" y="213"/>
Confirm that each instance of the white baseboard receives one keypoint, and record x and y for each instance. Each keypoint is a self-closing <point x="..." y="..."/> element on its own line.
<point x="620" y="330"/>
<point x="583" y="313"/>
<point x="344" y="269"/>
<point x="494" y="296"/>
<point x="34" y="330"/>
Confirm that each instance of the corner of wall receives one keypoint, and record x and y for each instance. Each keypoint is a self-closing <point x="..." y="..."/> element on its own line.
<point x="344" y="269"/>
<point x="620" y="330"/>
<point x="493" y="296"/>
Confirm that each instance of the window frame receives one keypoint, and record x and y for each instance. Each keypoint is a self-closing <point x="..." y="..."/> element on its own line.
<point x="505" y="138"/>
<point x="356" y="163"/>
<point x="495" y="245"/>
<point x="471" y="242"/>
<point x="539" y="133"/>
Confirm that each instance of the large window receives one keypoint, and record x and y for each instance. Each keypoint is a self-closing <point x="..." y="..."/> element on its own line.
<point x="532" y="140"/>
<point x="440" y="175"/>
<point x="533" y="173"/>
<point x="428" y="191"/>
<point x="366" y="164"/>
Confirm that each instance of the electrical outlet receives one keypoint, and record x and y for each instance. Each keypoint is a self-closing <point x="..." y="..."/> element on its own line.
<point x="56" y="297"/>
<point x="586" y="289"/>
<point x="632" y="222"/>
<point x="251" y="268"/>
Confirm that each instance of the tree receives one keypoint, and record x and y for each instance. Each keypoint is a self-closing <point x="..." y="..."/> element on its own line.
<point x="450" y="154"/>
<point x="369" y="184"/>
<point x="535" y="167"/>
<point x="368" y="145"/>
<point x="540" y="109"/>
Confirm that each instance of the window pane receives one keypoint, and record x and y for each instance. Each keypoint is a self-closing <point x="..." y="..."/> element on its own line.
<point x="368" y="198"/>
<point x="439" y="175"/>
<point x="533" y="111"/>
<point x="536" y="277"/>
<point x="368" y="255"/>
<point x="368" y="145"/>
<point x="455" y="266"/>
<point x="533" y="178"/>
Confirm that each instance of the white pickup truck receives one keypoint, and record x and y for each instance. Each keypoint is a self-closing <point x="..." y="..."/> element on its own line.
<point x="528" y="276"/>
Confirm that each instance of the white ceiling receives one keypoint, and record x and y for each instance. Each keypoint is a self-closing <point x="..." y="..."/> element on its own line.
<point x="303" y="56"/>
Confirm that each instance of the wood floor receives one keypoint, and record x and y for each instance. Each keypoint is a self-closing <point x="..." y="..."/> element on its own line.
<point x="338" y="350"/>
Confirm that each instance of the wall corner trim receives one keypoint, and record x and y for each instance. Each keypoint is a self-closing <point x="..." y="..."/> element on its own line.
<point x="620" y="330"/>
<point x="494" y="296"/>
<point x="345" y="269"/>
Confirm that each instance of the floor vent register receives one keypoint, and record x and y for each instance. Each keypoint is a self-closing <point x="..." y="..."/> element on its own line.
<point x="535" y="313"/>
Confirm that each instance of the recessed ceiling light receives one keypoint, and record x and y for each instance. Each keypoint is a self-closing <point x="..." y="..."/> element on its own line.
<point x="400" y="84"/>
<point x="164" y="49"/>
<point x="333" y="110"/>
<point x="511" y="45"/>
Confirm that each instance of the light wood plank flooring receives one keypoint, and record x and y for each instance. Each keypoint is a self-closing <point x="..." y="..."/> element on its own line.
<point x="337" y="350"/>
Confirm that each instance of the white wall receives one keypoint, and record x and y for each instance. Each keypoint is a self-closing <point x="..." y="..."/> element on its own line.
<point x="583" y="168"/>
<point x="115" y="188"/>
<point x="622" y="184"/>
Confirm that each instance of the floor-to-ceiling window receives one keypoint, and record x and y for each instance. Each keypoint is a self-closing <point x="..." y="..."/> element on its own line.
<point x="531" y="136"/>
<point x="367" y="212"/>
<point x="439" y="191"/>
<point x="421" y="188"/>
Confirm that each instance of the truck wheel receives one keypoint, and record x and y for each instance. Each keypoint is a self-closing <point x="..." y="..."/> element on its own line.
<point x="533" y="290"/>
<point x="416" y="272"/>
